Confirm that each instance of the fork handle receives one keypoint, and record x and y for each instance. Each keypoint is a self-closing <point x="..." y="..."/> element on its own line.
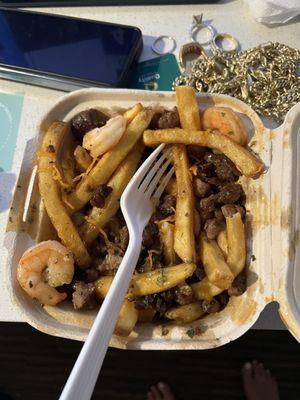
<point x="81" y="382"/>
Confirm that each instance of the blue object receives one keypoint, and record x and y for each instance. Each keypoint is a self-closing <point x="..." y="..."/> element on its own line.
<point x="10" y="114"/>
<point x="87" y="50"/>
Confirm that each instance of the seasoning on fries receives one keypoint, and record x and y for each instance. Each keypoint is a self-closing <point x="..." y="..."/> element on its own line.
<point x="245" y="161"/>
<point x="193" y="253"/>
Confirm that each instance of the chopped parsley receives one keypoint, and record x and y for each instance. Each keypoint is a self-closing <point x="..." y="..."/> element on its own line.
<point x="161" y="279"/>
<point x="223" y="114"/>
<point x="190" y="332"/>
<point x="230" y="133"/>
<point x="194" y="331"/>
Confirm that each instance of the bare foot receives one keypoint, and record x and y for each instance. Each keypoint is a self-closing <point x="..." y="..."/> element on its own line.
<point x="259" y="384"/>
<point x="161" y="391"/>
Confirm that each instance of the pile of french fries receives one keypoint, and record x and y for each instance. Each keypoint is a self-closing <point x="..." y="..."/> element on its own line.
<point x="63" y="194"/>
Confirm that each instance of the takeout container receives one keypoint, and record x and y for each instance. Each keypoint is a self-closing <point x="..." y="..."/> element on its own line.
<point x="272" y="231"/>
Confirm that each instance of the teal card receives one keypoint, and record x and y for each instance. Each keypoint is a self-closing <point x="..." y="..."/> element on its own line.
<point x="10" y="114"/>
<point x="155" y="74"/>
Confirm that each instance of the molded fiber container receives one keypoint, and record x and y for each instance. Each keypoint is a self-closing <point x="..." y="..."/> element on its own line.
<point x="272" y="230"/>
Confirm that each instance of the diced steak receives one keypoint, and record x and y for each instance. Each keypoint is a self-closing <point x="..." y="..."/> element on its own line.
<point x="167" y="205"/>
<point x="213" y="227"/>
<point x="84" y="296"/>
<point x="229" y="193"/>
<point x="201" y="188"/>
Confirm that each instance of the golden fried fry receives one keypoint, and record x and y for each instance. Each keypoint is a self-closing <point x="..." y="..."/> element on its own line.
<point x="216" y="268"/>
<point x="205" y="290"/>
<point x="130" y="114"/>
<point x="128" y="315"/>
<point x="108" y="163"/>
<point x="222" y="242"/>
<point x="51" y="195"/>
<point x="186" y="313"/>
<point x="245" y="161"/>
<point x="184" y="239"/>
<point x="98" y="217"/>
<point x="67" y="163"/>
<point x="166" y="234"/>
<point x="159" y="280"/>
<point x="227" y="122"/>
<point x="82" y="157"/>
<point x="236" y="242"/>
<point x="188" y="108"/>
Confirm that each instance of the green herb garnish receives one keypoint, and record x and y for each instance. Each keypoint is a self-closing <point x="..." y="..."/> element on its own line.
<point x="190" y="332"/>
<point x="161" y="279"/>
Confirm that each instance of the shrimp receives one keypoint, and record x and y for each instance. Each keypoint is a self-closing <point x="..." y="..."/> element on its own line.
<point x="100" y="140"/>
<point x="42" y="268"/>
<point x="227" y="122"/>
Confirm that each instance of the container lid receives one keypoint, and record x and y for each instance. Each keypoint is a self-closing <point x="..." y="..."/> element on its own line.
<point x="285" y="219"/>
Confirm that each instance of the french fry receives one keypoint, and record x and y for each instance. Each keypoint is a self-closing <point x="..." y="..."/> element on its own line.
<point x="51" y="195"/>
<point x="159" y="280"/>
<point x="236" y="239"/>
<point x="130" y="114"/>
<point x="67" y="164"/>
<point x="128" y="315"/>
<point x="187" y="313"/>
<point x="127" y="320"/>
<point x="166" y="234"/>
<point x="205" y="290"/>
<point x="244" y="160"/>
<point x="108" y="163"/>
<point x="118" y="182"/>
<point x="184" y="239"/>
<point x="223" y="243"/>
<point x="216" y="268"/>
<point x="188" y="108"/>
<point x="82" y="158"/>
<point x="146" y="315"/>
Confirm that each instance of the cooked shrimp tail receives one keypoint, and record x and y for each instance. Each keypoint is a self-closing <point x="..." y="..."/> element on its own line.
<point x="44" y="267"/>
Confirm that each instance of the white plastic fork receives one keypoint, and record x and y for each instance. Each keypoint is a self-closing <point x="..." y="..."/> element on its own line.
<point x="137" y="201"/>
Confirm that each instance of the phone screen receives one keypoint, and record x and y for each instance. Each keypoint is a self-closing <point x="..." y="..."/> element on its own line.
<point x="88" y="50"/>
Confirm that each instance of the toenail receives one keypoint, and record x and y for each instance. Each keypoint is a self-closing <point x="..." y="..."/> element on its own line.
<point x="247" y="365"/>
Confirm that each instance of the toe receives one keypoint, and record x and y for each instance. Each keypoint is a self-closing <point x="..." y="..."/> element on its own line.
<point x="260" y="371"/>
<point x="149" y="396"/>
<point x="156" y="393"/>
<point x="166" y="391"/>
<point x="247" y="371"/>
<point x="257" y="370"/>
<point x="247" y="375"/>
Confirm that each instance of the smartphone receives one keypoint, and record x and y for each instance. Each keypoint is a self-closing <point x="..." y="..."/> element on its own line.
<point x="66" y="53"/>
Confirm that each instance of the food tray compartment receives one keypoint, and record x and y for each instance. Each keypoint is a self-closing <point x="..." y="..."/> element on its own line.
<point x="286" y="219"/>
<point x="216" y="330"/>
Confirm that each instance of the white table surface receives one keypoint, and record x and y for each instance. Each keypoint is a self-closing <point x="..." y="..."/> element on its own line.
<point x="228" y="16"/>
